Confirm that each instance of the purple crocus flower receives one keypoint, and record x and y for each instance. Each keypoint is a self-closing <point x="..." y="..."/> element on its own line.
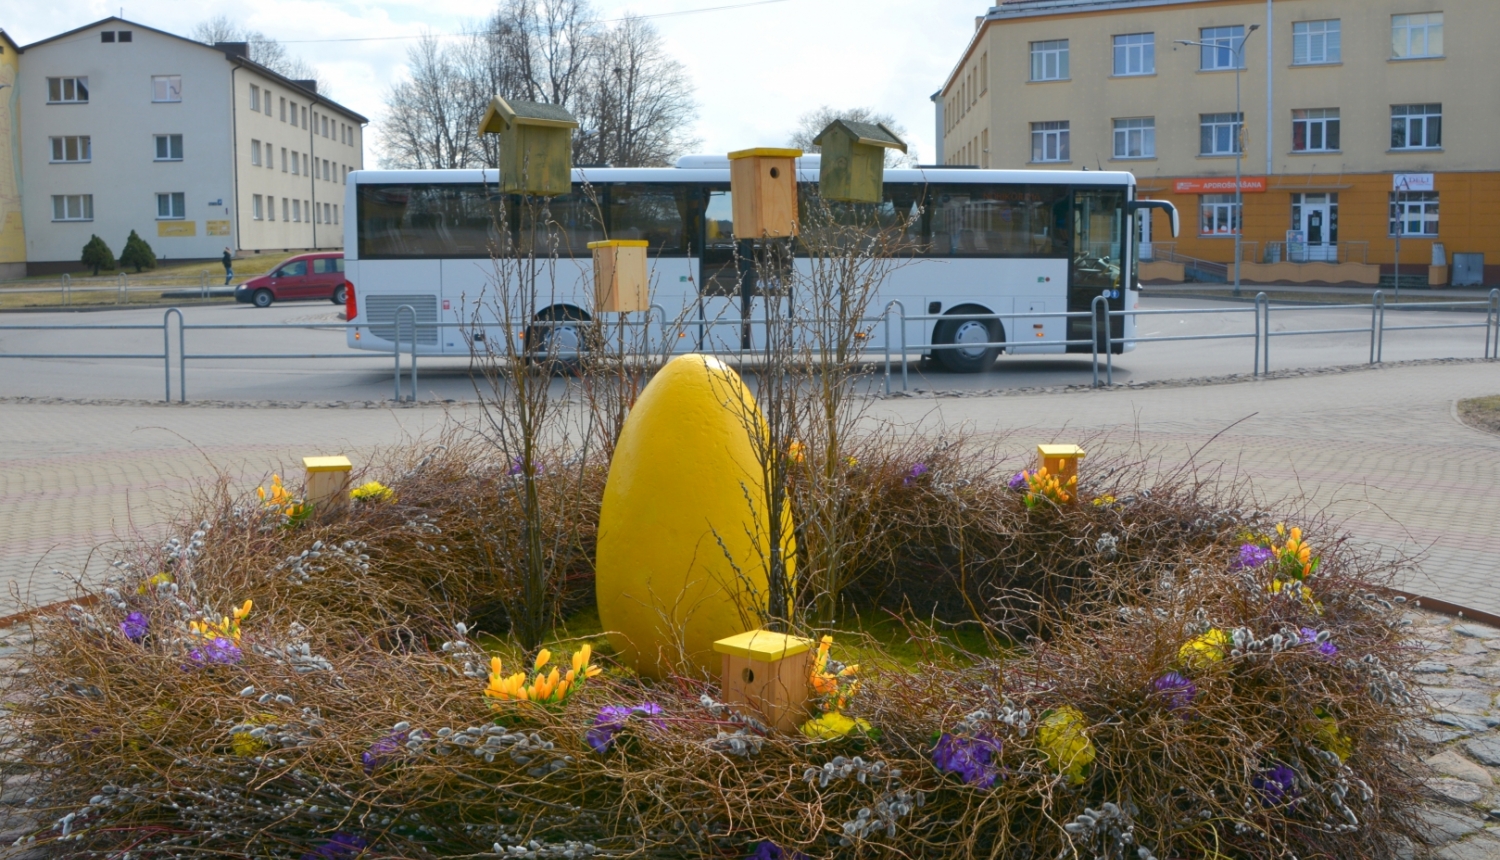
<point x="917" y="471"/>
<point x="1252" y="555"/>
<point x="1018" y="481"/>
<point x="1276" y="786"/>
<point x="974" y="759"/>
<point x="381" y="751"/>
<point x="1326" y="647"/>
<point x="217" y="650"/>
<point x="768" y="850"/>
<point x="340" y="846"/>
<point x="612" y="719"/>
<point x="517" y="466"/>
<point x="135" y="626"/>
<point x="1176" y="690"/>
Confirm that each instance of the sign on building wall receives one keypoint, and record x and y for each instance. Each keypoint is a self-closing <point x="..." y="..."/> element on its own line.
<point x="176" y="229"/>
<point x="1248" y="185"/>
<point x="218" y="228"/>
<point x="1413" y="182"/>
<point x="12" y="234"/>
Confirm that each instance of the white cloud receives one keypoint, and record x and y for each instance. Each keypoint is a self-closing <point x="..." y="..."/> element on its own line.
<point x="756" y="69"/>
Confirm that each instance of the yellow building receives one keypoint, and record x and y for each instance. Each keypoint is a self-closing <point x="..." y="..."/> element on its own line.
<point x="12" y="230"/>
<point x="1363" y="126"/>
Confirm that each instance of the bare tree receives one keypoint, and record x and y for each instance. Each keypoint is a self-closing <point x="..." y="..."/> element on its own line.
<point x="633" y="101"/>
<point x="810" y="124"/>
<point x="263" y="49"/>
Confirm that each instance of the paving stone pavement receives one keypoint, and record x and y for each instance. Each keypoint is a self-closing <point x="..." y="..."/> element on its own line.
<point x="1382" y="449"/>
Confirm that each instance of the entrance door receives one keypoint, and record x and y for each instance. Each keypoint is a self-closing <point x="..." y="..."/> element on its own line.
<point x="1318" y="216"/>
<point x="1143" y="234"/>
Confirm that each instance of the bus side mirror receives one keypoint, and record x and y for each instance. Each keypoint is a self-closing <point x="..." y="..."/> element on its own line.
<point x="1135" y="206"/>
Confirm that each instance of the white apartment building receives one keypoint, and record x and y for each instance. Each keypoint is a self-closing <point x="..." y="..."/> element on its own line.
<point x="195" y="147"/>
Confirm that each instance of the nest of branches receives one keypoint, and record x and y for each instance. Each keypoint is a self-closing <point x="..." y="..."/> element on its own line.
<point x="1153" y="688"/>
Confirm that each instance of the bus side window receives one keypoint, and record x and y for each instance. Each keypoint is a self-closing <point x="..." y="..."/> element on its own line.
<point x="655" y="212"/>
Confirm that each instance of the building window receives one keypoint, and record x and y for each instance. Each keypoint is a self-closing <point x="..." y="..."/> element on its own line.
<point x="283" y="110"/>
<point x="171" y="206"/>
<point x="254" y="97"/>
<point x="67" y="91"/>
<point x="1135" y="138"/>
<point x="1049" y="141"/>
<point x="168" y="147"/>
<point x="304" y="117"/>
<point x="1413" y="213"/>
<point x="69" y="150"/>
<point x="106" y="35"/>
<point x="255" y="206"/>
<point x="1221" y="47"/>
<point x="285" y="204"/>
<point x="984" y="75"/>
<point x="1316" y="42"/>
<point x="270" y="208"/>
<point x="1219" y="215"/>
<point x="335" y="213"/>
<point x="1415" y="36"/>
<point x="72" y="207"/>
<point x="1416" y="126"/>
<point x="268" y="102"/>
<point x="324" y="121"/>
<point x="1049" y="60"/>
<point x="255" y="152"/>
<point x="1135" y="54"/>
<point x="297" y="210"/>
<point x="1219" y="133"/>
<point x="296" y="165"/>
<point x="166" y="88"/>
<point x="1315" y="130"/>
<point x="126" y="35"/>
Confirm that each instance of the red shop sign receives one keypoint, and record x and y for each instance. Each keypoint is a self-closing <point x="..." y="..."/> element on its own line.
<point x="1248" y="185"/>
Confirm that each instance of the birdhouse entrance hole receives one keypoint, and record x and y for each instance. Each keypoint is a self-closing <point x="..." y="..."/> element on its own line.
<point x="748" y="676"/>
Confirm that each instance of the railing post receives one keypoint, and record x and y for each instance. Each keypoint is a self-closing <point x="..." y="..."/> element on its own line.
<point x="166" y="355"/>
<point x="203" y="283"/>
<point x="1377" y="324"/>
<point x="1094" y="331"/>
<point x="67" y="289"/>
<point x="1262" y="334"/>
<point x="1109" y="348"/>
<point x="1492" y="344"/>
<point x="887" y="323"/>
<point x="120" y="296"/>
<point x="396" y="335"/>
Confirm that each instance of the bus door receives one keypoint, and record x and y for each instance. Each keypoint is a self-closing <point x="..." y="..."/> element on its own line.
<point x="666" y="217"/>
<point x="1098" y="265"/>
<point x="719" y="322"/>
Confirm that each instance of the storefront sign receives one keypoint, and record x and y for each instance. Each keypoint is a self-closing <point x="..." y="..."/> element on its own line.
<point x="218" y="228"/>
<point x="1248" y="185"/>
<point x="177" y="229"/>
<point x="1412" y="182"/>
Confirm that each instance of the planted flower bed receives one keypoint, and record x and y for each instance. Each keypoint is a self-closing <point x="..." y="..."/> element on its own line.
<point x="1132" y="665"/>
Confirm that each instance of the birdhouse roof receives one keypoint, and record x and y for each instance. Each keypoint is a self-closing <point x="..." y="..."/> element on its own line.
<point x="763" y="645"/>
<point x="502" y="114"/>
<point x="869" y="133"/>
<point x="327" y="464"/>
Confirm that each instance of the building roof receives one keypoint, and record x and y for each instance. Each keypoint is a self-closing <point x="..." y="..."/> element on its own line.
<point x="311" y="94"/>
<point x="874" y="134"/>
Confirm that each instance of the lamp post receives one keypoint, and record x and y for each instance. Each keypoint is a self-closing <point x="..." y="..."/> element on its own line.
<point x="1239" y="141"/>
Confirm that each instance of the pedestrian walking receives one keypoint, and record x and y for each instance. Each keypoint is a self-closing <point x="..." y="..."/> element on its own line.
<point x="228" y="267"/>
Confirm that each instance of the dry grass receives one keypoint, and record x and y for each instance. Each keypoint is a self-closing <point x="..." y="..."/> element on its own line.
<point x="1481" y="412"/>
<point x="989" y="615"/>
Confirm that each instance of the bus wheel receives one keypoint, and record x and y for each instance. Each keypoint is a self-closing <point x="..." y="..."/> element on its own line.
<point x="967" y="359"/>
<point x="564" y="344"/>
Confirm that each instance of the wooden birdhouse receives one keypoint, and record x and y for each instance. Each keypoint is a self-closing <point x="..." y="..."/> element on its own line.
<point x="620" y="280"/>
<point x="763" y="185"/>
<point x="536" y="146"/>
<point x="327" y="485"/>
<point x="767" y="672"/>
<point x="1060" y="460"/>
<point x="852" y="169"/>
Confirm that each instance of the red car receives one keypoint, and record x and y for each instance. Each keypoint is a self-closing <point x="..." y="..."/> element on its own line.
<point x="305" y="276"/>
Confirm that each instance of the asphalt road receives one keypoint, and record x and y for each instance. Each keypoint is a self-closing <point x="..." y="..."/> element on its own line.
<point x="368" y="376"/>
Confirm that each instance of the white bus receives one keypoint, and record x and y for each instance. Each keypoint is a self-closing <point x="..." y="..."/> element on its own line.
<point x="1001" y="242"/>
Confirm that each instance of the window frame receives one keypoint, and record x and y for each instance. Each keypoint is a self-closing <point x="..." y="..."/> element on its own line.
<point x="1059" y="132"/>
<point x="255" y="98"/>
<point x="85" y="207"/>
<point x="1146" y="131"/>
<point x="1041" y="52"/>
<point x="169" y="139"/>
<point x="1146" y="50"/>
<point x="1333" y="42"/>
<point x="176" y="205"/>
<point x="1236" y="133"/>
<point x="82" y="146"/>
<point x="1405" y="122"/>
<point x="80" y="84"/>
<point x="1212" y="46"/>
<point x="1323" y="122"/>
<point x="254" y="153"/>
<point x="255" y="208"/>
<point x="1429" y="202"/>
<point x="1427" y="28"/>
<point x="1225" y="207"/>
<point x="167" y="80"/>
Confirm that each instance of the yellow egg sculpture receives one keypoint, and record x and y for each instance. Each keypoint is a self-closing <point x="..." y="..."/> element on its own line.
<point x="683" y="544"/>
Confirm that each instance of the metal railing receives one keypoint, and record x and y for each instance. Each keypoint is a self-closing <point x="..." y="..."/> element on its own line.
<point x="121" y="284"/>
<point x="895" y="349"/>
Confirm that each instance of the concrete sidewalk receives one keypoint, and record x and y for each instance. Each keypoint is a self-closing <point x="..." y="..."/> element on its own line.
<point x="1381" y="448"/>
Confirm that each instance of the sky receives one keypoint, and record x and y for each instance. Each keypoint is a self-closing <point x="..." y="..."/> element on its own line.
<point x="755" y="68"/>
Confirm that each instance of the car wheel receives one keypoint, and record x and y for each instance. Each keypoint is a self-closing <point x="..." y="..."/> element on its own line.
<point x="263" y="298"/>
<point x="565" y="345"/>
<point x="971" y="359"/>
<point x="338" y="294"/>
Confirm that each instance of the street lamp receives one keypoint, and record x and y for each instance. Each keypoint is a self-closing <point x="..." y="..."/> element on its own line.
<point x="1239" y="141"/>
